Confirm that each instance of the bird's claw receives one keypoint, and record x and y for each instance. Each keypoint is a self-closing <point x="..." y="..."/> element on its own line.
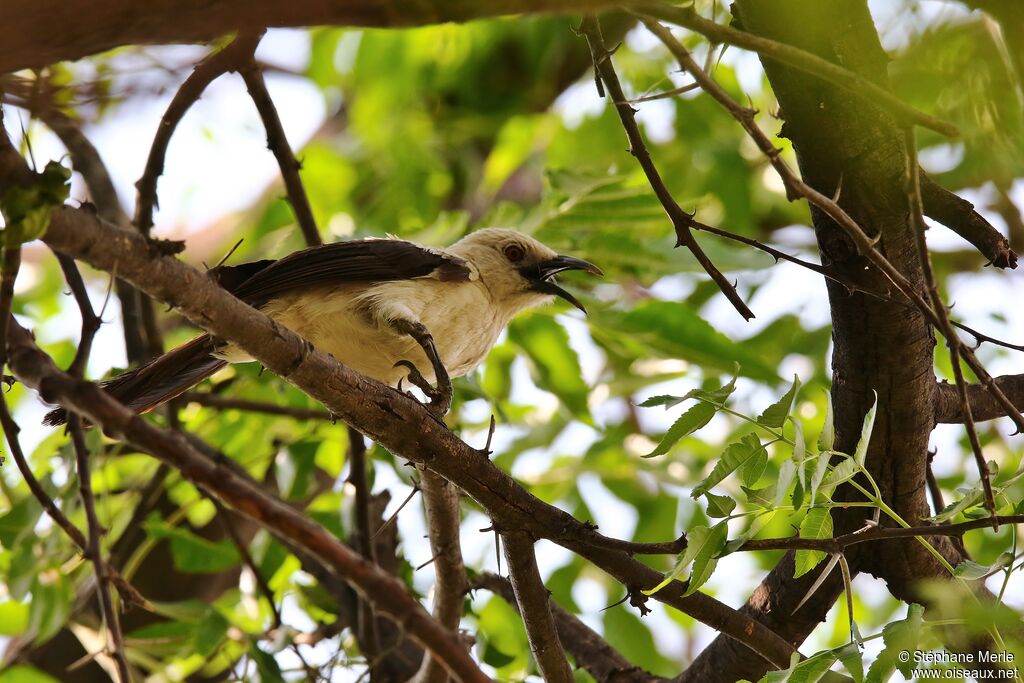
<point x="440" y="396"/>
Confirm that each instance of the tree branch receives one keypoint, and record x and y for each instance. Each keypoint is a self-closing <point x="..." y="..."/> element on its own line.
<point x="41" y="32"/>
<point x="953" y="342"/>
<point x="215" y="65"/>
<point x="949" y="410"/>
<point x="397" y="422"/>
<point x="959" y="215"/>
<point x="681" y="221"/>
<point x="841" y="543"/>
<point x="277" y="142"/>
<point x="535" y="607"/>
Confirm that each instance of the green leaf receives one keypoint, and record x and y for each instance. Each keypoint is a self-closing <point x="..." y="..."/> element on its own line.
<point x="719" y="506"/>
<point x="190" y="552"/>
<point x="735" y="455"/>
<point x="972" y="571"/>
<point x="266" y="666"/>
<point x="774" y="416"/>
<point x="705" y="556"/>
<point x="662" y="400"/>
<point x="799" y="450"/>
<point x="787" y="472"/>
<point x="753" y="468"/>
<point x="861" y="451"/>
<point x="677" y="331"/>
<point x="820" y="470"/>
<point x="853" y="659"/>
<point x="817" y="523"/>
<point x="842" y="472"/>
<point x="898" y="636"/>
<point x="693" y="419"/>
<point x="812" y="669"/>
<point x="827" y="437"/>
<point x="971" y="497"/>
<point x="702" y="545"/>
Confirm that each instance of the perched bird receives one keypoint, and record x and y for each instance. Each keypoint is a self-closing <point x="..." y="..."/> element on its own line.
<point x="387" y="308"/>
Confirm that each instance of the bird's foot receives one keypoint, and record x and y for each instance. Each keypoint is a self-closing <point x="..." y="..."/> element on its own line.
<point x="440" y="396"/>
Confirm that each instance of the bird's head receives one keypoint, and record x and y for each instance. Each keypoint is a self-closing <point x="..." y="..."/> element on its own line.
<point x="517" y="268"/>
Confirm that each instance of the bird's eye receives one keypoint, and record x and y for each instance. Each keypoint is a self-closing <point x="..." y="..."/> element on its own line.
<point x="514" y="253"/>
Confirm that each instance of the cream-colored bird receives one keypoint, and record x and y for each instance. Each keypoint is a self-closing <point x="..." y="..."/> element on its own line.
<point x="387" y="308"/>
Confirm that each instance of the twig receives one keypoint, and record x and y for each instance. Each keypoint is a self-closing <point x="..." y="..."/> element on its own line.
<point x="90" y="321"/>
<point x="952" y="340"/>
<point x="800" y="59"/>
<point x="93" y="549"/>
<point x="394" y="515"/>
<point x="441" y="504"/>
<point x="980" y="337"/>
<point x="665" y="95"/>
<point x="795" y="187"/>
<point x="934" y="490"/>
<point x="211" y="400"/>
<point x="212" y="67"/>
<point x="681" y="221"/>
<point x="839" y="543"/>
<point x="535" y="607"/>
<point x="277" y="142"/>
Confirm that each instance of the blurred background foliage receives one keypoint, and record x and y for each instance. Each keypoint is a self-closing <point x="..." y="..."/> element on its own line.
<point x="430" y="133"/>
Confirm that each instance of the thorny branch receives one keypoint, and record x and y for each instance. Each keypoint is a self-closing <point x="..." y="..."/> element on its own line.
<point x="952" y="340"/>
<point x="681" y="221"/>
<point x="278" y="144"/>
<point x="215" y="65"/>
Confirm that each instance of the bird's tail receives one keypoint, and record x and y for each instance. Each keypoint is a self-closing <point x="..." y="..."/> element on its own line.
<point x="159" y="380"/>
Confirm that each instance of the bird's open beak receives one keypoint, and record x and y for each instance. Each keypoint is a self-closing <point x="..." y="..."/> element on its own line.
<point x="541" y="275"/>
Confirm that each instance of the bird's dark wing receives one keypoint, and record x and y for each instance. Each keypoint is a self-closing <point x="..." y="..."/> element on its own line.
<point x="374" y="260"/>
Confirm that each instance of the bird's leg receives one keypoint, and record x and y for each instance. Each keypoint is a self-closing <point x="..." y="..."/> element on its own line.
<point x="441" y="395"/>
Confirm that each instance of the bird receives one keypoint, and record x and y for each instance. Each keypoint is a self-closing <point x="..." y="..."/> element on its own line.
<point x="388" y="308"/>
